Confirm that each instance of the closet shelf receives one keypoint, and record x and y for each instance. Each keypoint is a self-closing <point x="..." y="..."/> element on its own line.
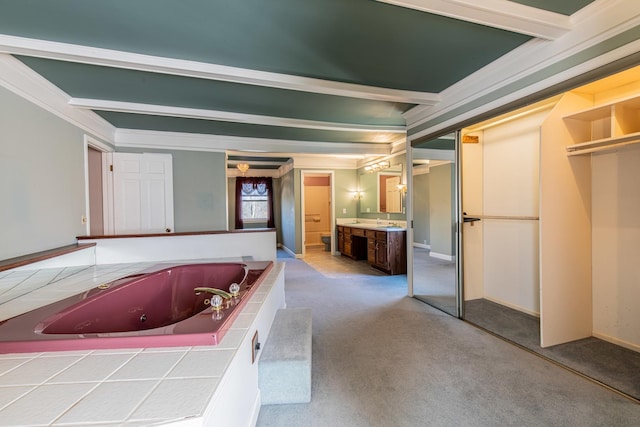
<point x="603" y="144"/>
<point x="604" y="127"/>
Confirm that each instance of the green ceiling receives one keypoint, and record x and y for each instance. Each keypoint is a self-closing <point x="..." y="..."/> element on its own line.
<point x="115" y="84"/>
<point x="368" y="43"/>
<point x="566" y="7"/>
<point x="177" y="124"/>
<point x="355" y="41"/>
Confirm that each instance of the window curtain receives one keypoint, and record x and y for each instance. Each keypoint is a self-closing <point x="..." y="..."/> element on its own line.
<point x="248" y="184"/>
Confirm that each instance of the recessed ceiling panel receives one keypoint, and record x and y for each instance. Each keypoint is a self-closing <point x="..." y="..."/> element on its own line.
<point x="565" y="7"/>
<point x="176" y="124"/>
<point x="115" y="84"/>
<point x="355" y="41"/>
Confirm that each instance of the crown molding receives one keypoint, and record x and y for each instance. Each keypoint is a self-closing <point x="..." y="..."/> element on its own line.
<point x="225" y="116"/>
<point x="502" y="14"/>
<point x="273" y="173"/>
<point x="520" y="66"/>
<point x="323" y="162"/>
<point x="26" y="83"/>
<point x="199" y="142"/>
<point x="180" y="67"/>
<point x="254" y="163"/>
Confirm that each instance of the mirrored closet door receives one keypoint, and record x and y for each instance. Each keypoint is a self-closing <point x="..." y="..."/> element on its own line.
<point x="435" y="222"/>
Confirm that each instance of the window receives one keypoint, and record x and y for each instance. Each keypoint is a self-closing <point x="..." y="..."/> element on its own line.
<point x="254" y="201"/>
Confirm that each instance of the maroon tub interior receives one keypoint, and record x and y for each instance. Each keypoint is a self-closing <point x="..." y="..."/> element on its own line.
<point x="155" y="308"/>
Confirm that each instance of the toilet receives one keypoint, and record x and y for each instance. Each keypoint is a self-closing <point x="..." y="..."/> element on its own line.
<point x="326" y="239"/>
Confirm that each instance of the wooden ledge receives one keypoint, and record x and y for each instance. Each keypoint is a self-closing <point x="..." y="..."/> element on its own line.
<point x="8" y="264"/>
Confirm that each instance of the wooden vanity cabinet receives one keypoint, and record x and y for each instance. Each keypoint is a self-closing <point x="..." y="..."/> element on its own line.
<point x="384" y="250"/>
<point x="351" y="242"/>
<point x="340" y="239"/>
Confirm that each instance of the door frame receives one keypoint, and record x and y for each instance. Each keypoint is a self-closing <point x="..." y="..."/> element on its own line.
<point x="107" y="191"/>
<point x="332" y="209"/>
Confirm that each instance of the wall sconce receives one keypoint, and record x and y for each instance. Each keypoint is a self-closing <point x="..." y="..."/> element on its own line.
<point x="357" y="195"/>
<point x="402" y="188"/>
<point x="243" y="168"/>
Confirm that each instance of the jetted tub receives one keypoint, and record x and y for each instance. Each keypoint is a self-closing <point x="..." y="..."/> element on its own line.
<point x="156" y="308"/>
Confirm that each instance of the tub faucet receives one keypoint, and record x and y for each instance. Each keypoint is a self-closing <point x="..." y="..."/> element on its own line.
<point x="214" y="291"/>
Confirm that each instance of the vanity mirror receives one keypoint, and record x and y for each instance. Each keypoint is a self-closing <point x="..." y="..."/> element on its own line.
<point x="379" y="189"/>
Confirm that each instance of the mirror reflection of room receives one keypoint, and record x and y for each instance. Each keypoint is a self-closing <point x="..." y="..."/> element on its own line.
<point x="381" y="187"/>
<point x="434" y="219"/>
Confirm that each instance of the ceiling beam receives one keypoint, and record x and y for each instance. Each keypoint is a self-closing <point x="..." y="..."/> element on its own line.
<point x="501" y="14"/>
<point x="180" y="67"/>
<point x="22" y="80"/>
<point x="258" y="146"/>
<point x="226" y="116"/>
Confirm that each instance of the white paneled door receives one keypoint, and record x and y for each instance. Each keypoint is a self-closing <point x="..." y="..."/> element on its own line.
<point x="142" y="193"/>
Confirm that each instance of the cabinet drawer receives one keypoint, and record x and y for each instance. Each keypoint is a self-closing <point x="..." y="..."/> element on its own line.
<point x="357" y="231"/>
<point x="370" y="234"/>
<point x="381" y="235"/>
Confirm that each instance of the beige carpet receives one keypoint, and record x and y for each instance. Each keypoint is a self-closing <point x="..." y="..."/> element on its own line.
<point x="383" y="359"/>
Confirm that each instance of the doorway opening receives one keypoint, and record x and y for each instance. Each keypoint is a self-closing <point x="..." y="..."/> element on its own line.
<point x="317" y="216"/>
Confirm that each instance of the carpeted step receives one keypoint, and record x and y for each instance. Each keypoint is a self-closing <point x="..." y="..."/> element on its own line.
<point x="284" y="369"/>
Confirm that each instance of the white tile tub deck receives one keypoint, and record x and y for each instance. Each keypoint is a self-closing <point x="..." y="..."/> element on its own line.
<point x="130" y="387"/>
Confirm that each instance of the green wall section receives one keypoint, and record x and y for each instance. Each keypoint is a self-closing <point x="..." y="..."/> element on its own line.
<point x="288" y="211"/>
<point x="199" y="191"/>
<point x="421" y="232"/>
<point x="42" y="181"/>
<point x="346" y="183"/>
<point x="441" y="212"/>
<point x="41" y="178"/>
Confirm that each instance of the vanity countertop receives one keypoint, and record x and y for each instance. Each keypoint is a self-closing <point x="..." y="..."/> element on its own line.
<point x="374" y="226"/>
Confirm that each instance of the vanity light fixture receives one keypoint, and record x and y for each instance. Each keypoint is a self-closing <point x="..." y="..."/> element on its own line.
<point x="377" y="166"/>
<point x="357" y="195"/>
<point x="243" y="167"/>
<point x="402" y="188"/>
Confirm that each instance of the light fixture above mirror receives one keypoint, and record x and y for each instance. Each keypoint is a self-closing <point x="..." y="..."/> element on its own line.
<point x="377" y="166"/>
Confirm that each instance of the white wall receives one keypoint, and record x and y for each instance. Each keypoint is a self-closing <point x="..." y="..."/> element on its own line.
<point x="501" y="179"/>
<point x="511" y="188"/>
<point x="256" y="246"/>
<point x="472" y="253"/>
<point x="616" y="246"/>
<point x="41" y="178"/>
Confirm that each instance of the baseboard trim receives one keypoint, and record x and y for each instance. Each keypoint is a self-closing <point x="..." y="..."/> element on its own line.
<point x="289" y="251"/>
<point x="442" y="256"/>
<point x="421" y="245"/>
<point x="616" y="341"/>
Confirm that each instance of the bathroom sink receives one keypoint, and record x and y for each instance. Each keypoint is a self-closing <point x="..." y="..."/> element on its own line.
<point x="390" y="227"/>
